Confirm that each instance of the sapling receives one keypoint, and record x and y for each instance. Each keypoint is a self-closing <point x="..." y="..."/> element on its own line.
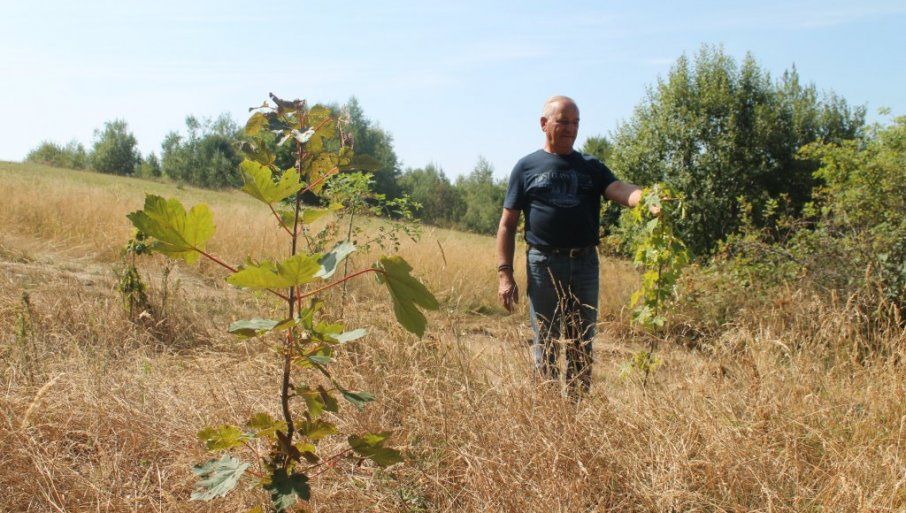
<point x="661" y="256"/>
<point x="285" y="451"/>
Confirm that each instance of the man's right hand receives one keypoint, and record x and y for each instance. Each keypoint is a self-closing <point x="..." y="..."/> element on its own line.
<point x="507" y="292"/>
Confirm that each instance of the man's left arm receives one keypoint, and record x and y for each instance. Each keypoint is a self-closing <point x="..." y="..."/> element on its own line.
<point x="624" y="193"/>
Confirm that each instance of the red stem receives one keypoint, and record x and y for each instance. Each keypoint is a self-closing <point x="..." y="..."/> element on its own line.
<point x="321" y="179"/>
<point x="328" y="463"/>
<point x="346" y="278"/>
<point x="233" y="269"/>
<point x="279" y="220"/>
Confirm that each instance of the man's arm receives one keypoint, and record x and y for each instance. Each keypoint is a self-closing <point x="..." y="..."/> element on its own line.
<point x="624" y="193"/>
<point x="507" y="291"/>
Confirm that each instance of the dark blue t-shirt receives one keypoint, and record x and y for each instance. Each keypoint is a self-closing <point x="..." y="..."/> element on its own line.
<point x="560" y="196"/>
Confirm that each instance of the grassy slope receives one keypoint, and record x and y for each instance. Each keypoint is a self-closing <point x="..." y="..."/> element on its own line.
<point x="99" y="413"/>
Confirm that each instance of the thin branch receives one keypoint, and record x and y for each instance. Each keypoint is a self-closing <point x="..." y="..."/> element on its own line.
<point x="321" y="179"/>
<point x="328" y="463"/>
<point x="280" y="220"/>
<point x="345" y="279"/>
<point x="233" y="269"/>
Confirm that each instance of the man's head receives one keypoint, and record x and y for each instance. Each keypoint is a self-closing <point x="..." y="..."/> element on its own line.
<point x="560" y="124"/>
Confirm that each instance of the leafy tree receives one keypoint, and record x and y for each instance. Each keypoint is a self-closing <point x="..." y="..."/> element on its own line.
<point x="72" y="155"/>
<point x="861" y="205"/>
<point x="206" y="156"/>
<point x="483" y="197"/>
<point x="150" y="167"/>
<point x="115" y="149"/>
<point x="368" y="138"/>
<point x="599" y="147"/>
<point x="441" y="203"/>
<point x="715" y="131"/>
<point x="286" y="452"/>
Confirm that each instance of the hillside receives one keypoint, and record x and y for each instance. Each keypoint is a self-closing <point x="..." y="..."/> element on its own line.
<point x="100" y="412"/>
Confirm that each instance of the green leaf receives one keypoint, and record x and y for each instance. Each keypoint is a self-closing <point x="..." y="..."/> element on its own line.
<point x="255" y="123"/>
<point x="257" y="152"/>
<point x="260" y="185"/>
<point x="217" y="477"/>
<point x="358" y="399"/>
<point x="257" y="327"/>
<point x="286" y="489"/>
<point x="331" y="260"/>
<point x="222" y="437"/>
<point x="315" y="430"/>
<point x="407" y="293"/>
<point x="176" y="233"/>
<point x="263" y="425"/>
<point x="306" y="217"/>
<point x="300" y="269"/>
<point x="371" y="446"/>
<point x="296" y="270"/>
<point x="349" y="336"/>
<point x="314" y="400"/>
<point x="322" y="164"/>
<point x="308" y="451"/>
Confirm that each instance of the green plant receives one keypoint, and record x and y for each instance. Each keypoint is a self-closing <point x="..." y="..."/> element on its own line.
<point x="661" y="256"/>
<point x="129" y="283"/>
<point x="286" y="450"/>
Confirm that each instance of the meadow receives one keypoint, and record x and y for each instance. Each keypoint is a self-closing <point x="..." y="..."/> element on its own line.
<point x="779" y="410"/>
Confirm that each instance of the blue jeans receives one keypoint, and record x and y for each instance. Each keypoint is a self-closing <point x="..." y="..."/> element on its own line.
<point x="563" y="301"/>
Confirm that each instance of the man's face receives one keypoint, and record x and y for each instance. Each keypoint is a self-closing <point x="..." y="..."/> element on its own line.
<point x="561" y="128"/>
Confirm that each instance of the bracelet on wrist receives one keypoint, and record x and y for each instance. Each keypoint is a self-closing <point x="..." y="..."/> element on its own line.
<point x="504" y="267"/>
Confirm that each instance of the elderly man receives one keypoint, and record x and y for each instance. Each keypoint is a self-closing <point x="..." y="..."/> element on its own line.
<point x="560" y="191"/>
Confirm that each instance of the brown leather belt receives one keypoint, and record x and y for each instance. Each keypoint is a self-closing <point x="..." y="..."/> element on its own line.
<point x="570" y="252"/>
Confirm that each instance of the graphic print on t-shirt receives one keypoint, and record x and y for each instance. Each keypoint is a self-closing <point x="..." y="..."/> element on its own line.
<point x="559" y="188"/>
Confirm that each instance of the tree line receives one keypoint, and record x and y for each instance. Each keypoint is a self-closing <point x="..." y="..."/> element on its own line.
<point x="749" y="152"/>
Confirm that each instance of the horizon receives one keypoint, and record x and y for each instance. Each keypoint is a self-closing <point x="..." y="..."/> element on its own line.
<point x="470" y="72"/>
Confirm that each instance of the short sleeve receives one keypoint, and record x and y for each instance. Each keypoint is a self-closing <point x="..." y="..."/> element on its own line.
<point x="602" y="172"/>
<point x="607" y="176"/>
<point x="515" y="192"/>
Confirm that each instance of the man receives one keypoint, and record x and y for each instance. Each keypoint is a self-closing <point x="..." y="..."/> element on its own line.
<point x="560" y="191"/>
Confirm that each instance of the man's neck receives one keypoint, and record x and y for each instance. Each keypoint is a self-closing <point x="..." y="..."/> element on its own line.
<point x="549" y="149"/>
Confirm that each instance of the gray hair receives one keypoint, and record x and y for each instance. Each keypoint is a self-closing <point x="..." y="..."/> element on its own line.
<point x="548" y="110"/>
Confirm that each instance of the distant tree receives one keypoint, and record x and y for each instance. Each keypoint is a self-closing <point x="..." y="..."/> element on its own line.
<point x="115" y="149"/>
<point x="72" y="155"/>
<point x="207" y="156"/>
<point x="716" y="131"/>
<point x="150" y="167"/>
<point x="483" y="197"/>
<point x="440" y="202"/>
<point x="599" y="147"/>
<point x="370" y="139"/>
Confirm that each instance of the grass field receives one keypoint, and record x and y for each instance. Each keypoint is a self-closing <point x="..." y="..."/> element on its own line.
<point x="99" y="413"/>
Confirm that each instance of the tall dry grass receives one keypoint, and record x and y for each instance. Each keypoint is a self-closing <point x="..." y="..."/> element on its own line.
<point x="781" y="411"/>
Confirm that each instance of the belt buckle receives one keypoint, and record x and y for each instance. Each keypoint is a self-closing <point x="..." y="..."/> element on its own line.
<point x="574" y="252"/>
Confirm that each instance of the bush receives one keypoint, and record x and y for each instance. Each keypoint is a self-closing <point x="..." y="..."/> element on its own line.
<point x="114" y="149"/>
<point x="483" y="197"/>
<point x="440" y="202"/>
<point x="860" y="206"/>
<point x="207" y="156"/>
<point x="72" y="155"/>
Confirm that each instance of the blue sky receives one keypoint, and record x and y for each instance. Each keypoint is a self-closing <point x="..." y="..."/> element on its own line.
<point x="451" y="81"/>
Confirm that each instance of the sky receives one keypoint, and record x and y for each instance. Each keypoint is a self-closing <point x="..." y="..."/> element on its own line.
<point x="451" y="81"/>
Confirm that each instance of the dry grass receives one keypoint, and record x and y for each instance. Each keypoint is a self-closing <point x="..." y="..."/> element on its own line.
<point x="782" y="411"/>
